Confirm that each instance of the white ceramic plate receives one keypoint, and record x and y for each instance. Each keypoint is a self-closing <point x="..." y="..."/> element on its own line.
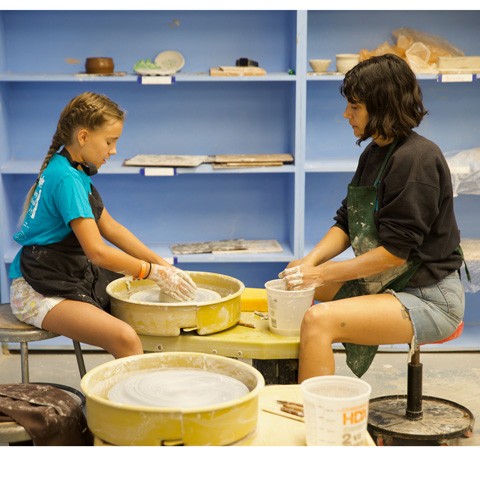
<point x="169" y="62"/>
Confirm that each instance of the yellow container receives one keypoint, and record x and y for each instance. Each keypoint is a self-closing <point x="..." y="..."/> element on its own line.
<point x="123" y="424"/>
<point x="167" y="319"/>
<point x="254" y="299"/>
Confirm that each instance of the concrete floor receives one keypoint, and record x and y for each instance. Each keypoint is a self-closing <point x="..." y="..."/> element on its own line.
<point x="450" y="375"/>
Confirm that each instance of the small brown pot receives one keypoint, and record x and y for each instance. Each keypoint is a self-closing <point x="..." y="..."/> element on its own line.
<point x="99" y="65"/>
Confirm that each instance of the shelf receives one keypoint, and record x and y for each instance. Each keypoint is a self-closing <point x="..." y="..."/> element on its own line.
<point x="331" y="165"/>
<point x="63" y="77"/>
<point x="116" y="167"/>
<point x="31" y="167"/>
<point x="301" y="114"/>
<point x="165" y="252"/>
<point x="133" y="78"/>
<point x="438" y="77"/>
<point x="205" y="77"/>
<point x="200" y="77"/>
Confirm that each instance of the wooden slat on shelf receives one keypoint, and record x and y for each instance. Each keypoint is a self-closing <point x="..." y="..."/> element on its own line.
<point x="237" y="71"/>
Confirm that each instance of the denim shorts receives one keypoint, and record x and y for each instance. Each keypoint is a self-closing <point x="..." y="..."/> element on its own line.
<point x="436" y="310"/>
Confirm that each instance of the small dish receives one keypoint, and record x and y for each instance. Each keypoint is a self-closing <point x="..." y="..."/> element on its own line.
<point x="320" y="65"/>
<point x="169" y="62"/>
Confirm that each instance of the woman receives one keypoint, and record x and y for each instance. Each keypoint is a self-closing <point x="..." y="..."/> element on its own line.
<point x="61" y="272"/>
<point x="403" y="285"/>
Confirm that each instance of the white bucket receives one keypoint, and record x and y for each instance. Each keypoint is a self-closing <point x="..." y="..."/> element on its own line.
<point x="286" y="308"/>
<point x="335" y="410"/>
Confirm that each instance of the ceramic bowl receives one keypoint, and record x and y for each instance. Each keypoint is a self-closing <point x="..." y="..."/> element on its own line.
<point x="99" y="65"/>
<point x="320" y="65"/>
<point x="169" y="62"/>
<point x="346" y="61"/>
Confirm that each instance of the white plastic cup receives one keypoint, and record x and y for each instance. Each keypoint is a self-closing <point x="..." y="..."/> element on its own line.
<point x="335" y="410"/>
<point x="286" y="308"/>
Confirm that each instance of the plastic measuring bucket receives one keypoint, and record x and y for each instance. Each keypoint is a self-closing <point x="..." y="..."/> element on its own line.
<point x="335" y="410"/>
<point x="286" y="308"/>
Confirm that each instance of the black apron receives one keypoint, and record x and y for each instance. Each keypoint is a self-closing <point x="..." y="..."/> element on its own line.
<point x="362" y="204"/>
<point x="63" y="270"/>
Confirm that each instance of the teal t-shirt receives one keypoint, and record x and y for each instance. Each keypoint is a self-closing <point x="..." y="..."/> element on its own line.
<point x="61" y="196"/>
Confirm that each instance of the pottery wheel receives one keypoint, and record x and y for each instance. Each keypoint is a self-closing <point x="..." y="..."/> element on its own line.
<point x="153" y="295"/>
<point x="178" y="388"/>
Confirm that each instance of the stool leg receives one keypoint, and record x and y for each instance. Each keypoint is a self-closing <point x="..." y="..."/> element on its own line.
<point x="414" y="388"/>
<point x="24" y="362"/>
<point x="80" y="361"/>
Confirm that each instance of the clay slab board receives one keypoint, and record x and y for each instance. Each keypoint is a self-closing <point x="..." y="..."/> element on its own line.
<point x="166" y="160"/>
<point x="228" y="246"/>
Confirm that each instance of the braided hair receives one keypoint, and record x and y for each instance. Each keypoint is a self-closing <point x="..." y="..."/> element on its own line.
<point x="89" y="110"/>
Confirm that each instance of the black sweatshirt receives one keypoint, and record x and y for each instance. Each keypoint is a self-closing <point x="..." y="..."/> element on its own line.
<point x="415" y="218"/>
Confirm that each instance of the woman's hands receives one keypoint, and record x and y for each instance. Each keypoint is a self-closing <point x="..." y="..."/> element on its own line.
<point x="174" y="282"/>
<point x="301" y="276"/>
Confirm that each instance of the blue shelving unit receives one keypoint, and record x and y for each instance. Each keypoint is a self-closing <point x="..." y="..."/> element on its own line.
<point x="289" y="110"/>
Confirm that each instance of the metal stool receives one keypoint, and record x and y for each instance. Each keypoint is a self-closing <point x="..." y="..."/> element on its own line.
<point x="12" y="330"/>
<point x="418" y="418"/>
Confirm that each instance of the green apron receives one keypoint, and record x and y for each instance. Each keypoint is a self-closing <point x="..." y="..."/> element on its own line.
<point x="362" y="203"/>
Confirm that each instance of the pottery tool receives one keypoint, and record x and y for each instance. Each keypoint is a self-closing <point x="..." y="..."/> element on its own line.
<point x="285" y="408"/>
<point x="245" y="324"/>
<point x="293" y="408"/>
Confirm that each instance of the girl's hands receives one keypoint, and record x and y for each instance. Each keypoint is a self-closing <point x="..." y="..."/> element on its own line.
<point x="174" y="282"/>
<point x="301" y="277"/>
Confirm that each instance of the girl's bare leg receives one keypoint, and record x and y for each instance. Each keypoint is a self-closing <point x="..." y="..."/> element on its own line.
<point x="86" y="323"/>
<point x="365" y="320"/>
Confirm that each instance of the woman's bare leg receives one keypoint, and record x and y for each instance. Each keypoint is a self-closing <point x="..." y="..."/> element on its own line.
<point x="86" y="323"/>
<point x="365" y="320"/>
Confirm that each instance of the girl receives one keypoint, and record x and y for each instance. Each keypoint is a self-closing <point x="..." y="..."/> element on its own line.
<point x="403" y="285"/>
<point x="61" y="272"/>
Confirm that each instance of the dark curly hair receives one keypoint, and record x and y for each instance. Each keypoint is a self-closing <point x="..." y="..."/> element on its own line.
<point x="389" y="89"/>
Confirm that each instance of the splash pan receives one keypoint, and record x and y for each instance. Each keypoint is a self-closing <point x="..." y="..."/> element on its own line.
<point x="123" y="423"/>
<point x="216" y="307"/>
